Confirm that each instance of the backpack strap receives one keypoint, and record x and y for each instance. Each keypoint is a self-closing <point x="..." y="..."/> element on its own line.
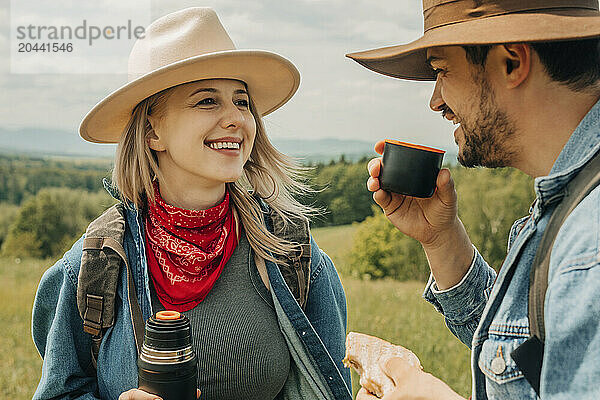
<point x="101" y="261"/>
<point x="529" y="356"/>
<point x="295" y="267"/>
<point x="577" y="189"/>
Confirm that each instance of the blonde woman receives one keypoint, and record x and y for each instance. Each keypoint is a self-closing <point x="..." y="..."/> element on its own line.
<point x="199" y="180"/>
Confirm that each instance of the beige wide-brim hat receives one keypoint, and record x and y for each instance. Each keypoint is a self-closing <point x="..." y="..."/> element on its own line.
<point x="186" y="46"/>
<point x="469" y="22"/>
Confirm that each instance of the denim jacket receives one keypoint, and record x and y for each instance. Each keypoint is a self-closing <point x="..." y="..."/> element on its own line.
<point x="315" y="336"/>
<point x="489" y="313"/>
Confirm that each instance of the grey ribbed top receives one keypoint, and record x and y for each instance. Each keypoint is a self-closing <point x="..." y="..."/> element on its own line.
<point x="241" y="352"/>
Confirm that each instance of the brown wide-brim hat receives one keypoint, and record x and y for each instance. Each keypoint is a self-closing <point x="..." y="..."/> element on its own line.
<point x="470" y="22"/>
<point x="186" y="46"/>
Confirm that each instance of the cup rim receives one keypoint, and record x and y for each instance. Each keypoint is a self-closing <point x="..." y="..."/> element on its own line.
<point x="415" y="146"/>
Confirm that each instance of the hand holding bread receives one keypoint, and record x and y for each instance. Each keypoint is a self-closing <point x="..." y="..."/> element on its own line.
<point x="391" y="372"/>
<point x="366" y="353"/>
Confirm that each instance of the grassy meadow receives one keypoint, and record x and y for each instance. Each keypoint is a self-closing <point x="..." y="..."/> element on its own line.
<point x="388" y="309"/>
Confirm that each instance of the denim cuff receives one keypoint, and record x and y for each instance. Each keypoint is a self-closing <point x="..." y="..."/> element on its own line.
<point x="459" y="302"/>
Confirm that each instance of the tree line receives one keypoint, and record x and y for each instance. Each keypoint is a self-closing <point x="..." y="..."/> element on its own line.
<point x="22" y="176"/>
<point x="340" y="192"/>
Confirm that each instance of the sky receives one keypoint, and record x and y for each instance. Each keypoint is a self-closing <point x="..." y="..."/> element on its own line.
<point x="337" y="97"/>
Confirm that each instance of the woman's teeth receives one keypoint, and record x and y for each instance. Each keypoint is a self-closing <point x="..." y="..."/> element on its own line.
<point x="224" y="145"/>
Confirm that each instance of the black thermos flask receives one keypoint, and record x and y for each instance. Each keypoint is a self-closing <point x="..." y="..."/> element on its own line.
<point x="167" y="365"/>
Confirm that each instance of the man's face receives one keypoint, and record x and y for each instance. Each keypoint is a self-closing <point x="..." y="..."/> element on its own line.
<point x="465" y="96"/>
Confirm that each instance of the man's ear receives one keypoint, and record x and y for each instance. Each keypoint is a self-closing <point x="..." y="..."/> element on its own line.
<point x="152" y="137"/>
<point x="516" y="60"/>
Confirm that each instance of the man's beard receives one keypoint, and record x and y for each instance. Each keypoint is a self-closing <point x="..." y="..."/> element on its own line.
<point x="487" y="138"/>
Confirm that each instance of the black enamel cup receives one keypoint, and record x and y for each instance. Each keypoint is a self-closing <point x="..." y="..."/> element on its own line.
<point x="410" y="169"/>
<point x="168" y="365"/>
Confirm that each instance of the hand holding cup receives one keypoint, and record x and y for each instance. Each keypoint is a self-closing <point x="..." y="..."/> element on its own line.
<point x="432" y="221"/>
<point x="420" y="218"/>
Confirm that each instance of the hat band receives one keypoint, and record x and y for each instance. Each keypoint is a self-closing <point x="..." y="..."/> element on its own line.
<point x="447" y="12"/>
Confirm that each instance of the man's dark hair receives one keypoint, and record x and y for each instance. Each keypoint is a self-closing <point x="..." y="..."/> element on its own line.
<point x="574" y="63"/>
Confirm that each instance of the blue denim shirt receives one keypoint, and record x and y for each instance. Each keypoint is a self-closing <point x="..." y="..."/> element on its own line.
<point x="491" y="318"/>
<point x="315" y="337"/>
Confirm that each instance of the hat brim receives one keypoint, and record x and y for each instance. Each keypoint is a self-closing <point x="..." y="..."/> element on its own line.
<point x="408" y="61"/>
<point x="271" y="79"/>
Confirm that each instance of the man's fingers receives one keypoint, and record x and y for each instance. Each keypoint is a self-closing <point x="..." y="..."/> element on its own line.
<point x="379" y="146"/>
<point x="137" y="394"/>
<point x="398" y="369"/>
<point x="374" y="167"/>
<point x="445" y="187"/>
<point x="198" y="393"/>
<point x="393" y="368"/>
<point x="389" y="202"/>
<point x="363" y="394"/>
<point x="444" y="178"/>
<point x="382" y="198"/>
<point x="372" y="184"/>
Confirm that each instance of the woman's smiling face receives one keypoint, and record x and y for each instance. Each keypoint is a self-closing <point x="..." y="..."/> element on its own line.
<point x="204" y="133"/>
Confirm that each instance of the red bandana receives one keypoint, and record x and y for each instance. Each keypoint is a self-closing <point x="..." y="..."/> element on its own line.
<point x="187" y="250"/>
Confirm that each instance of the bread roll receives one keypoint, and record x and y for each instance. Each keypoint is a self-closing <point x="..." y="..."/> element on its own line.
<point x="364" y="353"/>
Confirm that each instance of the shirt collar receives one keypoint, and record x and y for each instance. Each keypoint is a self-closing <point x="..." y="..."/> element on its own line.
<point x="579" y="149"/>
<point x="113" y="191"/>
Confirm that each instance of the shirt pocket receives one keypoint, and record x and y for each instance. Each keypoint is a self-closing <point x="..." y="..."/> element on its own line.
<point x="504" y="380"/>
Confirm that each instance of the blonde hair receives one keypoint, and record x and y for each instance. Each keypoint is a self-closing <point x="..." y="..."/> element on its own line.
<point x="268" y="173"/>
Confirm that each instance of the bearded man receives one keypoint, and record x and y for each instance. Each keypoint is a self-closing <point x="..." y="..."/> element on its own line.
<point x="521" y="80"/>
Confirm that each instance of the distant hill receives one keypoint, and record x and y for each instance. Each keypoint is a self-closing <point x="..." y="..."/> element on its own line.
<point x="324" y="150"/>
<point x="34" y="141"/>
<point x="47" y="142"/>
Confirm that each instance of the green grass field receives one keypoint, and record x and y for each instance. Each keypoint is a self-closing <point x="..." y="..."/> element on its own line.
<point x="388" y="309"/>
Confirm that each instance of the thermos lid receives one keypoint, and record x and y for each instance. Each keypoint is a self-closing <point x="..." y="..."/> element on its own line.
<point x="168" y="330"/>
<point x="168" y="315"/>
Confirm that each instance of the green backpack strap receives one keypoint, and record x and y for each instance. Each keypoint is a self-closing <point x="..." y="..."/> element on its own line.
<point x="577" y="189"/>
<point x="101" y="261"/>
<point x="295" y="267"/>
<point x="529" y="356"/>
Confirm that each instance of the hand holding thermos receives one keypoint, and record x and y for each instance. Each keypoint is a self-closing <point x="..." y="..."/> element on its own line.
<point x="167" y="365"/>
